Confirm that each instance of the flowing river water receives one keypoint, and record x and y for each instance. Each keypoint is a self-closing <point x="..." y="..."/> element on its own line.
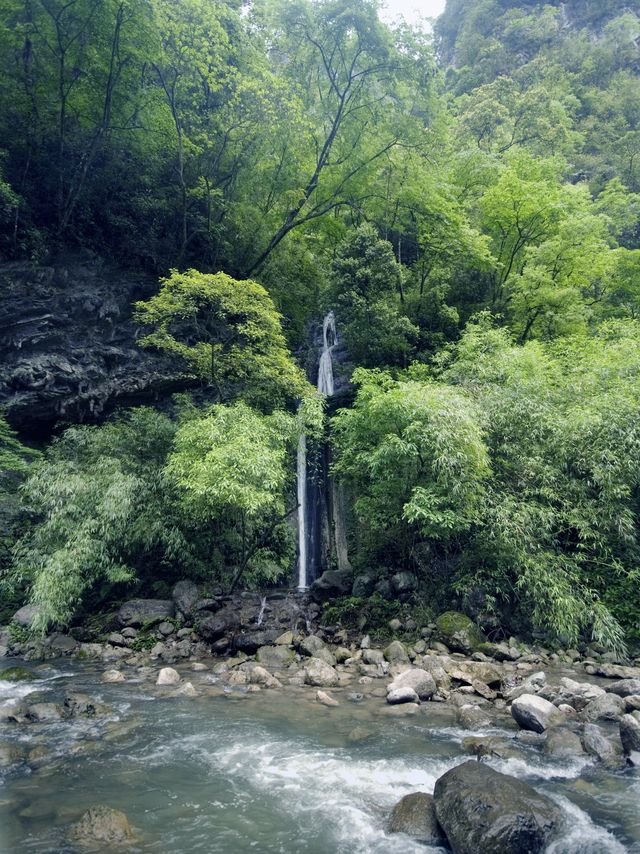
<point x="274" y="771"/>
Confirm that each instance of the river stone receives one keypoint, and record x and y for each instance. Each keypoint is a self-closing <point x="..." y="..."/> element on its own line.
<point x="624" y="687"/>
<point x="168" y="676"/>
<point x="166" y="629"/>
<point x="373" y="656"/>
<point x="185" y="690"/>
<point x="250" y="642"/>
<point x="474" y="671"/>
<point x="139" y="612"/>
<point x="535" y="713"/>
<point x="342" y="654"/>
<point x="82" y="704"/>
<point x="492" y="745"/>
<point x="482" y="810"/>
<point x="326" y="655"/>
<point x="616" y="671"/>
<point x="42" y="712"/>
<point x="15" y="674"/>
<point x="317" y="672"/>
<point x="275" y="657"/>
<point x="630" y="733"/>
<point x="472" y="716"/>
<point x="597" y="744"/>
<point x="415" y="815"/>
<point x="101" y="824"/>
<point x="326" y="699"/>
<point x="285" y="639"/>
<point x="260" y="676"/>
<point x="185" y="595"/>
<point x="459" y="632"/>
<point x="311" y="645"/>
<point x="24" y="616"/>
<point x="608" y="707"/>
<point x="396" y="653"/>
<point x="112" y="676"/>
<point x="396" y="696"/>
<point x="116" y="639"/>
<point x="10" y="754"/>
<point x="419" y="680"/>
<point x="562" y="743"/>
<point x="60" y="643"/>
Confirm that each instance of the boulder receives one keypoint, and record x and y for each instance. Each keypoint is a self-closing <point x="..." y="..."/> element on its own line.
<point x="332" y="584"/>
<point x="474" y="671"/>
<point x="624" y="687"/>
<point x="397" y="696"/>
<point x="250" y="642"/>
<point x="630" y="733"/>
<point x="577" y="694"/>
<point x="60" y="643"/>
<point x="534" y="713"/>
<point x="326" y="699"/>
<point x="275" y="657"/>
<point x="185" y="595"/>
<point x="24" y="616"/>
<point x="597" y="744"/>
<point x="310" y="645"/>
<point x="45" y="712"/>
<point x="168" y="676"/>
<point x="418" y="680"/>
<point x="112" y="676"/>
<point x="285" y="639"/>
<point x="482" y="810"/>
<point x="139" y="612"/>
<point x="471" y="716"/>
<point x="608" y="707"/>
<point x="562" y="743"/>
<point x="459" y="632"/>
<point x="363" y="586"/>
<point x="373" y="656"/>
<point x="101" y="824"/>
<point x="415" y="815"/>
<point x="320" y="674"/>
<point x="396" y="653"/>
<point x="616" y="671"/>
<point x="213" y="627"/>
<point x="403" y="584"/>
<point x="260" y="676"/>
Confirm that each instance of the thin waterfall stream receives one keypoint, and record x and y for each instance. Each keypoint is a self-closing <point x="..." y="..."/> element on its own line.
<point x="308" y="525"/>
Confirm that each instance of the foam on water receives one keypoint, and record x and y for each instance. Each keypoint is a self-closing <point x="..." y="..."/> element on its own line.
<point x="540" y="767"/>
<point x="583" y="835"/>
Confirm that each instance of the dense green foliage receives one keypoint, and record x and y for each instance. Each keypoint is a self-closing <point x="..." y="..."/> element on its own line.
<point x="475" y="228"/>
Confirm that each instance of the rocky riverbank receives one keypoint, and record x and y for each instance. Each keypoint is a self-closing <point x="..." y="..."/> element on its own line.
<point x="510" y="698"/>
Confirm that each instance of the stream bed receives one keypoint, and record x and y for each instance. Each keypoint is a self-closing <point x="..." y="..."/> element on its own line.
<point x="269" y="771"/>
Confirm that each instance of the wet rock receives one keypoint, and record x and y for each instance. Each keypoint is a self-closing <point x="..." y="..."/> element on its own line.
<point x="45" y="712"/>
<point x="577" y="694"/>
<point x="355" y="697"/>
<point x="112" y="676"/>
<point x="632" y="703"/>
<point x="534" y="713"/>
<point x="608" y="707"/>
<point x="275" y="657"/>
<point x="139" y="612"/>
<point x="360" y="734"/>
<point x="396" y="653"/>
<point x="116" y="639"/>
<point x="15" y="674"/>
<point x="185" y="595"/>
<point x="415" y="815"/>
<point x="624" y="687"/>
<point x="482" y="810"/>
<point x="76" y="705"/>
<point x="168" y="676"/>
<point x="418" y="680"/>
<point x="483" y="690"/>
<point x="597" y="744"/>
<point x="459" y="632"/>
<point x="474" y="671"/>
<point x="531" y="685"/>
<point x="396" y="696"/>
<point x="616" y="671"/>
<point x="342" y="654"/>
<point x="630" y="733"/>
<point x="10" y="754"/>
<point x="499" y="651"/>
<point x="24" y="616"/>
<point x="373" y="656"/>
<point x="260" y="676"/>
<point x="562" y="743"/>
<point x="185" y="690"/>
<point x="496" y="746"/>
<point x="250" y="642"/>
<point x="332" y="584"/>
<point x="310" y="645"/>
<point x="326" y="699"/>
<point x="60" y="644"/>
<point x="101" y="824"/>
<point x="166" y="629"/>
<point x="470" y="716"/>
<point x="320" y="674"/>
<point x="285" y="639"/>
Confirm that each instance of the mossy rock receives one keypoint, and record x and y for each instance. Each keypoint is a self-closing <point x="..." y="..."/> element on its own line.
<point x="459" y="632"/>
<point x="15" y="674"/>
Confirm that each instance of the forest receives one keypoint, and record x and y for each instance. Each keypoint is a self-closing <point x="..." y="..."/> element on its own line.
<point x="466" y="201"/>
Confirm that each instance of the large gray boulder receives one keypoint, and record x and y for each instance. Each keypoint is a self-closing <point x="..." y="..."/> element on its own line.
<point x="185" y="594"/>
<point x="482" y="810"/>
<point x="24" y="616"/>
<point x="630" y="734"/>
<point x="320" y="674"/>
<point x="139" y="612"/>
<point x="459" y="632"/>
<point x="625" y="687"/>
<point x="415" y="815"/>
<point x="608" y="707"/>
<point x="598" y="745"/>
<point x="535" y="713"/>
<point x="332" y="584"/>
<point x="419" y="680"/>
<point x="398" y="696"/>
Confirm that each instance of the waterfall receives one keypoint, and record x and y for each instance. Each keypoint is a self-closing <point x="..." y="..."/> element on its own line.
<point x="309" y="519"/>
<point x="263" y="607"/>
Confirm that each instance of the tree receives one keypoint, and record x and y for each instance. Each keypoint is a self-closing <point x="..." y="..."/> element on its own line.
<point x="227" y="333"/>
<point x="232" y="466"/>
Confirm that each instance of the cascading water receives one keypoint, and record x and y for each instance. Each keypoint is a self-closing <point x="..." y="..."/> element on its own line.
<point x="309" y="515"/>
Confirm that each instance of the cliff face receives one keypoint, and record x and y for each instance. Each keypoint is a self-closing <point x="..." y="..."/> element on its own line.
<point x="68" y="347"/>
